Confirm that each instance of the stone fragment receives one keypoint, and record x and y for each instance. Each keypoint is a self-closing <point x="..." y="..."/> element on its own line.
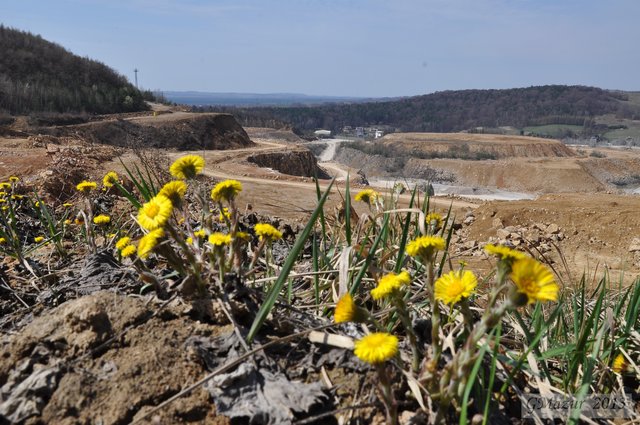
<point x="635" y="245"/>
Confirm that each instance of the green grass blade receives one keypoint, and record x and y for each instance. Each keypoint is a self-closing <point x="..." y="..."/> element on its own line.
<point x="274" y="291"/>
<point x="370" y="257"/>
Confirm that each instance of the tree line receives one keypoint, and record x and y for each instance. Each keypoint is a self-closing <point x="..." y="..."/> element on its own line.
<point x="449" y="111"/>
<point x="40" y="76"/>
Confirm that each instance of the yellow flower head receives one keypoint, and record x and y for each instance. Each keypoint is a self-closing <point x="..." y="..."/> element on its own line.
<point x="110" y="179"/>
<point x="534" y="280"/>
<point x="200" y="233"/>
<point x="128" y="251"/>
<point x="155" y="213"/>
<point x="434" y="219"/>
<point x="187" y="167"/>
<point x="17" y="197"/>
<point x="226" y="190"/>
<point x="376" y="348"/>
<point x="174" y="190"/>
<point x="389" y="283"/>
<point x="219" y="239"/>
<point x="2" y="241"/>
<point x="86" y="186"/>
<point x="455" y="285"/>
<point x="3" y="194"/>
<point x="67" y="221"/>
<point x="619" y="364"/>
<point x="5" y="185"/>
<point x="224" y="215"/>
<point x="368" y="196"/>
<point x="102" y="219"/>
<point x="67" y="205"/>
<point x="79" y="220"/>
<point x="267" y="231"/>
<point x="14" y="179"/>
<point x="123" y="242"/>
<point x="505" y="253"/>
<point x="243" y="236"/>
<point x="148" y="242"/>
<point x="345" y="309"/>
<point x="425" y="246"/>
<point x="38" y="239"/>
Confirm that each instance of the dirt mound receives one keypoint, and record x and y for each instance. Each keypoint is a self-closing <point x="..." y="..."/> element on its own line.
<point x="39" y="364"/>
<point x="206" y="131"/>
<point x="591" y="230"/>
<point x="461" y="144"/>
<point x="299" y="162"/>
<point x="278" y="135"/>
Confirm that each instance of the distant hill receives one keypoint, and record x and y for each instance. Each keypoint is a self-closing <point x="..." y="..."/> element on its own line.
<point x="40" y="76"/>
<point x="450" y="111"/>
<point x="196" y="98"/>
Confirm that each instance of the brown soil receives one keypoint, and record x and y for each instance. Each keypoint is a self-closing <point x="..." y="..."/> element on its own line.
<point x="141" y="368"/>
<point x="499" y="145"/>
<point x="596" y="232"/>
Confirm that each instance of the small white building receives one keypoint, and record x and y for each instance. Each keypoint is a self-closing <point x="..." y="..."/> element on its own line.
<point x="322" y="133"/>
<point x="378" y="134"/>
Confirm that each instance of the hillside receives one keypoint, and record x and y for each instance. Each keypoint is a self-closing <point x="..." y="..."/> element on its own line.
<point x="40" y="76"/>
<point x="451" y="111"/>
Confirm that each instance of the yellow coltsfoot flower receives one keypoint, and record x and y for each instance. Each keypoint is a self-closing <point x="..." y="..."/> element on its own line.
<point x="345" y="309"/>
<point x="187" y="167"/>
<point x="123" y="242"/>
<point x="455" y="285"/>
<point x="155" y="213"/>
<point x="533" y="280"/>
<point x="101" y="219"/>
<point x="267" y="231"/>
<point x="148" y="242"/>
<point x="434" y="219"/>
<point x="505" y="253"/>
<point x="368" y="196"/>
<point x="425" y="246"/>
<point x="620" y="364"/>
<point x="38" y="239"/>
<point x="86" y="186"/>
<point x="128" y="251"/>
<point x="175" y="191"/>
<point x="219" y="239"/>
<point x="389" y="283"/>
<point x="226" y="190"/>
<point x="376" y="348"/>
<point x="110" y="179"/>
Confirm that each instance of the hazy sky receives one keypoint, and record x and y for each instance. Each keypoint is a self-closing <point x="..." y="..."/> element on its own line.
<point x="346" y="47"/>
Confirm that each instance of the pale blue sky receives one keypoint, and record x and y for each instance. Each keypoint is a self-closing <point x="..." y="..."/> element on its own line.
<point x="346" y="47"/>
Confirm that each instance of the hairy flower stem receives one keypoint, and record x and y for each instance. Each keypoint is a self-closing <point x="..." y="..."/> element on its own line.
<point x="403" y="314"/>
<point x="454" y="378"/>
<point x="388" y="398"/>
<point x="436" y="346"/>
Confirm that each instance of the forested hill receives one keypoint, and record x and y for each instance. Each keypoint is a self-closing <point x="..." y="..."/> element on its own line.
<point x="455" y="110"/>
<point x="39" y="76"/>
